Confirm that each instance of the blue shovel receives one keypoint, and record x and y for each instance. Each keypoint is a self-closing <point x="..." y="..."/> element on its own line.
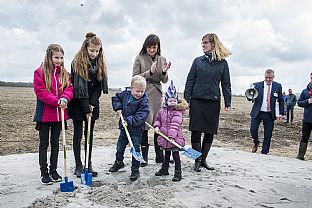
<point x="189" y="152"/>
<point x="66" y="186"/>
<point x="86" y="177"/>
<point x="135" y="154"/>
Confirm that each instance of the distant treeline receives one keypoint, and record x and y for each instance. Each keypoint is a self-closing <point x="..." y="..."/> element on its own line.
<point x="16" y="84"/>
<point x="30" y="84"/>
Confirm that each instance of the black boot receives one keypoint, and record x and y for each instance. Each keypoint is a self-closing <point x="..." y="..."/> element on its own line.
<point x="90" y="169"/>
<point x="78" y="171"/>
<point x="117" y="166"/>
<point x="163" y="170"/>
<point x="177" y="175"/>
<point x="197" y="164"/>
<point x="135" y="174"/>
<point x="144" y="150"/>
<point x="159" y="153"/>
<point x="205" y="149"/>
<point x="302" y="150"/>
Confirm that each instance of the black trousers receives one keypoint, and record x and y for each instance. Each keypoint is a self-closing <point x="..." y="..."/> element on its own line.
<point x="44" y="133"/>
<point x="306" y="131"/>
<point x="78" y="128"/>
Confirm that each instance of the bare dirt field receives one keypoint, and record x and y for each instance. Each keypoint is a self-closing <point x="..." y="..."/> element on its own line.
<point x="18" y="135"/>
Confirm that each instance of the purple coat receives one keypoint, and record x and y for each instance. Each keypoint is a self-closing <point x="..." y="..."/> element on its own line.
<point x="169" y="121"/>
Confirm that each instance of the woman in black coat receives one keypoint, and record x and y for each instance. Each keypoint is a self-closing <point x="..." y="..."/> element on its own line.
<point x="202" y="92"/>
<point x="89" y="78"/>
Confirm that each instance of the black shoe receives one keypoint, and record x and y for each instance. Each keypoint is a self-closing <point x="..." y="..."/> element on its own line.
<point x="117" y="166"/>
<point x="196" y="166"/>
<point x="177" y="176"/>
<point x="78" y="171"/>
<point x="135" y="174"/>
<point x="55" y="176"/>
<point x="45" y="179"/>
<point x="205" y="165"/>
<point x="162" y="172"/>
<point x="90" y="169"/>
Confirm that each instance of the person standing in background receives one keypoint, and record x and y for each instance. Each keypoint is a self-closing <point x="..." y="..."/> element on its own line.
<point x="290" y="103"/>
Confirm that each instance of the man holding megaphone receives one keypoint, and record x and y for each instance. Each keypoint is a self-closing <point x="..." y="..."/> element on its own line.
<point x="264" y="94"/>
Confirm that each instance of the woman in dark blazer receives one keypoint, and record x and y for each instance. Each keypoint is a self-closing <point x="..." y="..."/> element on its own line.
<point x="202" y="92"/>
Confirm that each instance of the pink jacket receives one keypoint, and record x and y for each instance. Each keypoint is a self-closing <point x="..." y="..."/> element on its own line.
<point x="47" y="109"/>
<point x="169" y="121"/>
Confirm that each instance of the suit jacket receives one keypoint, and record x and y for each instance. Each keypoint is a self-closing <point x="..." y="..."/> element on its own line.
<point x="276" y="95"/>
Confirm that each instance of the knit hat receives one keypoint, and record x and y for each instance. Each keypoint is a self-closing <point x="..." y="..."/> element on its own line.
<point x="171" y="93"/>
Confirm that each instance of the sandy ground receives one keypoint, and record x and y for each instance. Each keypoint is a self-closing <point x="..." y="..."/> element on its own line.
<point x="241" y="179"/>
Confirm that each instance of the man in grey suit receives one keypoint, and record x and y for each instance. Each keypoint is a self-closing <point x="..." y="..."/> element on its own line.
<point x="263" y="110"/>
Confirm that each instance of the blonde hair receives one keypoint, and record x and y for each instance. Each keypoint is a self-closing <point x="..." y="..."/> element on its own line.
<point x="138" y="80"/>
<point x="219" y="52"/>
<point x="48" y="66"/>
<point x="81" y="61"/>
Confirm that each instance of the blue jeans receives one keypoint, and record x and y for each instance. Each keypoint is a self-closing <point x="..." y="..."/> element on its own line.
<point x="122" y="144"/>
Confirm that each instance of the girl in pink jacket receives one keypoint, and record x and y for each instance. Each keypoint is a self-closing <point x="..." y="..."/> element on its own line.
<point x="53" y="89"/>
<point x="169" y="121"/>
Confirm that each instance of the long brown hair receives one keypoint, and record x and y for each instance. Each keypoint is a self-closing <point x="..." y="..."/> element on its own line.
<point x="81" y="61"/>
<point x="219" y="52"/>
<point x="48" y="66"/>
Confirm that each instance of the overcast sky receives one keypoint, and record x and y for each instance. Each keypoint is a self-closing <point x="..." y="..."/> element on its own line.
<point x="261" y="34"/>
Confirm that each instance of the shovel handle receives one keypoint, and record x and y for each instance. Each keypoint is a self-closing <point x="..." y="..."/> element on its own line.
<point x="164" y="136"/>
<point x="88" y="141"/>
<point x="64" y="141"/>
<point x="126" y="130"/>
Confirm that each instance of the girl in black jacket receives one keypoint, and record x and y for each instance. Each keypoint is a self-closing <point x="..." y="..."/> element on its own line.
<point x="89" y="77"/>
<point x="202" y="92"/>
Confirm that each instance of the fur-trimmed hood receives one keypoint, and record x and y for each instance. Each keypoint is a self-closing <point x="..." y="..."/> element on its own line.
<point x="182" y="104"/>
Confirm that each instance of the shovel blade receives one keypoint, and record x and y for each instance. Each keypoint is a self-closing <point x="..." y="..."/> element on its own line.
<point x="67" y="186"/>
<point x="137" y="155"/>
<point x="86" y="178"/>
<point x="191" y="153"/>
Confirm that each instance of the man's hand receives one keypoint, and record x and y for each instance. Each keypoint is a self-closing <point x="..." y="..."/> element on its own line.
<point x="156" y="129"/>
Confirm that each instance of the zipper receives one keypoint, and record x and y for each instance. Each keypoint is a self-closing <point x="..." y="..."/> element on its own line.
<point x="56" y="90"/>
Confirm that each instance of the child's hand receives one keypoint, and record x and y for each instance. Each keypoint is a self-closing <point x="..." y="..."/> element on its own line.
<point x="156" y="129"/>
<point x="154" y="67"/>
<point x="62" y="103"/>
<point x="124" y="123"/>
<point x="119" y="112"/>
<point x="91" y="108"/>
<point x="166" y="66"/>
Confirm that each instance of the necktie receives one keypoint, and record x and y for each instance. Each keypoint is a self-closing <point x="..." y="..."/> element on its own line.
<point x="268" y="98"/>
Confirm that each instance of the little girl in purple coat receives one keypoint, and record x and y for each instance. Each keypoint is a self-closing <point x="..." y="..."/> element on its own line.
<point x="169" y="121"/>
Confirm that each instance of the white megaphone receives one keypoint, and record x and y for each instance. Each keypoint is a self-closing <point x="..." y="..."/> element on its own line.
<point x="251" y="93"/>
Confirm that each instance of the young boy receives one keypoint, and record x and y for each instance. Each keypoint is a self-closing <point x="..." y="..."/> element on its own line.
<point x="133" y="105"/>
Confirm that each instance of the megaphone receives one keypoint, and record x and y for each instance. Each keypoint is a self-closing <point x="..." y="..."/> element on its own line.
<point x="251" y="93"/>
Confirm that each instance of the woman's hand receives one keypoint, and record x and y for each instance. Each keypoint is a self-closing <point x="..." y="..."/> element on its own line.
<point x="154" y="67"/>
<point x="166" y="66"/>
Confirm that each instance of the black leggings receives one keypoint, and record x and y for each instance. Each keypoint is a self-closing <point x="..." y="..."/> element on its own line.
<point x="44" y="131"/>
<point x="78" y="126"/>
<point x="196" y="137"/>
<point x="176" y="158"/>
